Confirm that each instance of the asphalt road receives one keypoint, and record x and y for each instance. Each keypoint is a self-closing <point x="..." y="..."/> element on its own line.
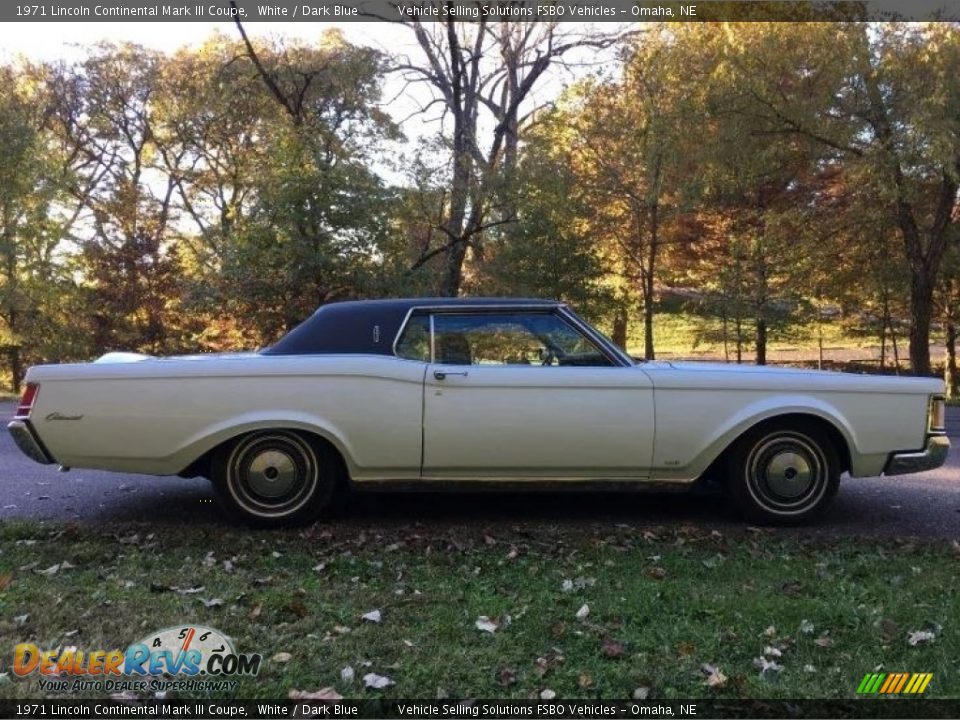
<point x="927" y="504"/>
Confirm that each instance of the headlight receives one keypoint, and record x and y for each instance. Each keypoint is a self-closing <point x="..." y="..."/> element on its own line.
<point x="938" y="414"/>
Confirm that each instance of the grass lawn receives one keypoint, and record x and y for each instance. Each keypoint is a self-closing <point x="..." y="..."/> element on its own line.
<point x="662" y="603"/>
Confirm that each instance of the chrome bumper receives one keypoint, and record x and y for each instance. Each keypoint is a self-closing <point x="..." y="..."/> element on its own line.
<point x="932" y="456"/>
<point x="28" y="442"/>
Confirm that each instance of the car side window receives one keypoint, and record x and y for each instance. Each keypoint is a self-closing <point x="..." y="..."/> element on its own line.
<point x="414" y="344"/>
<point x="522" y="338"/>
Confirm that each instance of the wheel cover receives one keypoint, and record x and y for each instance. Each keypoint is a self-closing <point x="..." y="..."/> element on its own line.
<point x="787" y="473"/>
<point x="272" y="474"/>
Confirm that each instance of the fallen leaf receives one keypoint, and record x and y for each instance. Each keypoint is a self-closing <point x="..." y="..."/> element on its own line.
<point x="824" y="641"/>
<point x="341" y="629"/>
<point x="546" y="663"/>
<point x="212" y="603"/>
<point x="347" y="674"/>
<point x="770" y="632"/>
<point x="714" y="677"/>
<point x="485" y="624"/>
<point x="686" y="649"/>
<point x="297" y="607"/>
<point x="766" y="666"/>
<point x="916" y="637"/>
<point x="657" y="573"/>
<point x="282" y="657"/>
<point x="547" y="694"/>
<point x="585" y="680"/>
<point x="188" y="590"/>
<point x="507" y="677"/>
<point x="612" y="649"/>
<point x="327" y="693"/>
<point x="772" y="652"/>
<point x="319" y="568"/>
<point x="377" y="682"/>
<point x="641" y="693"/>
<point x="257" y="609"/>
<point x="228" y="566"/>
<point x="809" y="668"/>
<point x="21" y="619"/>
<point x="373" y="616"/>
<point x="5" y="580"/>
<point x="583" y="612"/>
<point x="566" y="585"/>
<point x="806" y="627"/>
<point x="888" y="630"/>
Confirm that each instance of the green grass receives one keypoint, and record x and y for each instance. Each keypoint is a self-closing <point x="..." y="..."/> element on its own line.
<point x="670" y="599"/>
<point x="685" y="333"/>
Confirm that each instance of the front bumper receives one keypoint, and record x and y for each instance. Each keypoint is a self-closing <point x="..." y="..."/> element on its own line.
<point x="28" y="442"/>
<point x="932" y="456"/>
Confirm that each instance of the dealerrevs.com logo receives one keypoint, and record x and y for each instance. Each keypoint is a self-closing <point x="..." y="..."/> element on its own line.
<point x="187" y="657"/>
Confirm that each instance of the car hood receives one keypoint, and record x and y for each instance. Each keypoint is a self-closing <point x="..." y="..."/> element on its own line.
<point x="799" y="377"/>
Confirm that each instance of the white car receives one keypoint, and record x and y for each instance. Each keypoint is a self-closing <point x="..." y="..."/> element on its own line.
<point x="454" y="392"/>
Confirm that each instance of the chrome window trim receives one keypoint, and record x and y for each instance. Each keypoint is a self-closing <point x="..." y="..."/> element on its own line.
<point x="616" y="357"/>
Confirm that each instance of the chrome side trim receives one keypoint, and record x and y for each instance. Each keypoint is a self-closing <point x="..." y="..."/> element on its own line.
<point x="932" y="456"/>
<point x="28" y="442"/>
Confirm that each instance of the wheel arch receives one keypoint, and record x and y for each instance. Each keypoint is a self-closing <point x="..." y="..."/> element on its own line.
<point x="837" y="438"/>
<point x="727" y="437"/>
<point x="200" y="452"/>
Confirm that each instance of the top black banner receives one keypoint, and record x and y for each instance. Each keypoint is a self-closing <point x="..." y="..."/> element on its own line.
<point x="623" y="11"/>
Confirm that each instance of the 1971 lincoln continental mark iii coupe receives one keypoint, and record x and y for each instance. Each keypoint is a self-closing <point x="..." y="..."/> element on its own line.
<point x="455" y="392"/>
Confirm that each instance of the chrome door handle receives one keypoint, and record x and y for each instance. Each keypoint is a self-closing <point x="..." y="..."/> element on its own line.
<point x="442" y="374"/>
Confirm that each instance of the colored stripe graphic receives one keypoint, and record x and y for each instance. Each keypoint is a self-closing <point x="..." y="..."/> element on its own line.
<point x="901" y="683"/>
<point x="894" y="683"/>
<point x="892" y="680"/>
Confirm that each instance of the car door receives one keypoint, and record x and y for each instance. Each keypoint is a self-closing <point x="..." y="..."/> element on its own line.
<point x="515" y="395"/>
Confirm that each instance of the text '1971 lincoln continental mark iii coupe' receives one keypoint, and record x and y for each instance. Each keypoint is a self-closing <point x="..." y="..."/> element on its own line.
<point x="458" y="392"/>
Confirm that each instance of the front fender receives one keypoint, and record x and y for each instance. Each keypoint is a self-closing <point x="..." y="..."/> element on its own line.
<point x="706" y="436"/>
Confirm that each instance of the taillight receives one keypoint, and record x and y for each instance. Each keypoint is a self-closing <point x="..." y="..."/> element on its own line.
<point x="27" y="400"/>
<point x="938" y="414"/>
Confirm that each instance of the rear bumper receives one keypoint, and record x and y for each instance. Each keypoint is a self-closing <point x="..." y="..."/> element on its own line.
<point x="932" y="456"/>
<point x="28" y="442"/>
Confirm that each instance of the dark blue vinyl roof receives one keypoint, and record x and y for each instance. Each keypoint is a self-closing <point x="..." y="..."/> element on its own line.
<point x="370" y="326"/>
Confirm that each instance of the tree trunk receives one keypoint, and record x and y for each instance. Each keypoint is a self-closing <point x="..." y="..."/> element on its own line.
<point x="883" y="340"/>
<point x="761" y="341"/>
<point x="16" y="367"/>
<point x="950" y="377"/>
<point x="620" y="328"/>
<point x="921" y="305"/>
<point x="738" y="326"/>
<point x="893" y="342"/>
<point x="726" y="346"/>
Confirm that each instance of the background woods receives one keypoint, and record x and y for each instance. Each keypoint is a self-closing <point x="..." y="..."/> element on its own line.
<point x="729" y="187"/>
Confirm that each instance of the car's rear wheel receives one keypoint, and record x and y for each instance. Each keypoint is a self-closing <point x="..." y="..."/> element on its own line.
<point x="276" y="477"/>
<point x="783" y="473"/>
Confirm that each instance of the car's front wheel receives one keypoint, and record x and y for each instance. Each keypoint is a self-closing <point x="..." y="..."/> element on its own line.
<point x="783" y="473"/>
<point x="276" y="477"/>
